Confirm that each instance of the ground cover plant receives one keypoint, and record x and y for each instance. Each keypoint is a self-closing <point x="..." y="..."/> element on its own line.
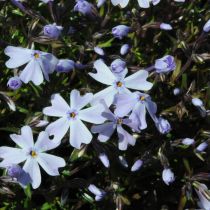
<point x="104" y="104"/>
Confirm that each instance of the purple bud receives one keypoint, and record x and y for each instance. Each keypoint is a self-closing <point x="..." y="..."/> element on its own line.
<point x="99" y="51"/>
<point x="100" y="3"/>
<point x="124" y="49"/>
<point x="165" y="64"/>
<point x="165" y="26"/>
<point x="201" y="147"/>
<point x="206" y="27"/>
<point x="137" y="165"/>
<point x="197" y="102"/>
<point x="168" y="176"/>
<point x="99" y="193"/>
<point x="14" y="83"/>
<point x="104" y="159"/>
<point x="188" y="141"/>
<point x="84" y="7"/>
<point x="52" y="30"/>
<point x="177" y="91"/>
<point x="163" y="125"/>
<point x="118" y="66"/>
<point x="65" y="65"/>
<point x="120" y="31"/>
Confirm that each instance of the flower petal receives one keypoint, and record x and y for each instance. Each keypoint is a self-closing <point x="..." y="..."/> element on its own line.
<point x="93" y="114"/>
<point x="104" y="74"/>
<point x="58" y="128"/>
<point x="25" y="140"/>
<point x="79" y="134"/>
<point x="32" y="72"/>
<point x="144" y="3"/>
<point x="137" y="81"/>
<point x="31" y="166"/>
<point x="105" y="131"/>
<point x="151" y="108"/>
<point x="124" y="138"/>
<point x="11" y="156"/>
<point x="50" y="163"/>
<point x="59" y="107"/>
<point x="43" y="142"/>
<point x="18" y="56"/>
<point x="107" y="95"/>
<point x="77" y="101"/>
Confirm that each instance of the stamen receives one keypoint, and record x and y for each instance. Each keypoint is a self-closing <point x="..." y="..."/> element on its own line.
<point x="72" y="114"/>
<point x="33" y="154"/>
<point x="36" y="55"/>
<point x="142" y="98"/>
<point x="119" y="121"/>
<point x="119" y="84"/>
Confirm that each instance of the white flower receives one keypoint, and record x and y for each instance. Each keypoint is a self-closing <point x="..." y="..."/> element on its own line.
<point x="117" y="83"/>
<point x="168" y="176"/>
<point x="71" y="116"/>
<point x="188" y="141"/>
<point x="142" y="3"/>
<point x="38" y="63"/>
<point x="33" y="154"/>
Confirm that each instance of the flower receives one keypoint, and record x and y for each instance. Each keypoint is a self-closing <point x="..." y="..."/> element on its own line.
<point x="104" y="159"/>
<point x="14" y="83"/>
<point x="99" y="51"/>
<point x="120" y="31"/>
<point x="137" y="165"/>
<point x="106" y="130"/>
<point x="188" y="141"/>
<point x="33" y="154"/>
<point x="117" y="82"/>
<point x="46" y="1"/>
<point x="206" y="27"/>
<point x="52" y="30"/>
<point x="17" y="173"/>
<point x="197" y="102"/>
<point x="165" y="64"/>
<point x="118" y="66"/>
<point x="168" y="176"/>
<point x="122" y="3"/>
<point x="177" y="91"/>
<point x="137" y="103"/>
<point x="165" y="26"/>
<point x="84" y="7"/>
<point x="72" y="116"/>
<point x="203" y="194"/>
<point x="124" y="49"/>
<point x="99" y="193"/>
<point x="163" y="125"/>
<point x="65" y="65"/>
<point x="38" y="63"/>
<point x="146" y="3"/>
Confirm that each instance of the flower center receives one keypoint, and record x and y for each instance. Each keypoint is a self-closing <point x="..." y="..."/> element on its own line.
<point x="72" y="114"/>
<point x="119" y="121"/>
<point x="33" y="154"/>
<point x="119" y="84"/>
<point x="36" y="55"/>
<point x="142" y="98"/>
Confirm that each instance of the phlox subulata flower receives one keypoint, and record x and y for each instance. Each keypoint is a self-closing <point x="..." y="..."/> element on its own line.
<point x="117" y="82"/>
<point x="34" y="154"/>
<point x="52" y="30"/>
<point x="65" y="65"/>
<point x="137" y="103"/>
<point x="116" y="122"/>
<point x="165" y="64"/>
<point x="39" y="64"/>
<point x="168" y="176"/>
<point x="71" y="116"/>
<point x="120" y="31"/>
<point x="142" y="3"/>
<point x="137" y="165"/>
<point x="14" y="83"/>
<point x="99" y="193"/>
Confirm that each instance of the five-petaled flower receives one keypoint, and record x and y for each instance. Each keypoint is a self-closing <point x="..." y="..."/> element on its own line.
<point x="72" y="116"/>
<point x="33" y="154"/>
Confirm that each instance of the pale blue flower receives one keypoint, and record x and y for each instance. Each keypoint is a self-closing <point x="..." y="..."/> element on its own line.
<point x="168" y="176"/>
<point x="121" y="3"/>
<point x="47" y="1"/>
<point x="206" y="27"/>
<point x="142" y="3"/>
<point x="162" y="125"/>
<point x="165" y="26"/>
<point x="84" y="7"/>
<point x="137" y="165"/>
<point x="188" y="141"/>
<point x="99" y="193"/>
<point x="137" y="103"/>
<point x="99" y="51"/>
<point x="71" y="116"/>
<point x="38" y="63"/>
<point x="118" y="66"/>
<point x="124" y="49"/>
<point x="104" y="159"/>
<point x="117" y="82"/>
<point x="33" y="154"/>
<point x="201" y="147"/>
<point x="116" y="122"/>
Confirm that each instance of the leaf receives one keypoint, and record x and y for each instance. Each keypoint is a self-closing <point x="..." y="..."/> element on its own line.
<point x="177" y="71"/>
